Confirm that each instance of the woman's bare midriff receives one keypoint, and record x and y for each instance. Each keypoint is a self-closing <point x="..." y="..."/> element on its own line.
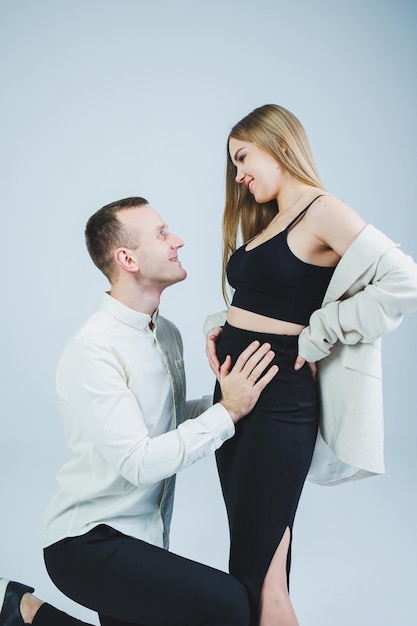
<point x="246" y="320"/>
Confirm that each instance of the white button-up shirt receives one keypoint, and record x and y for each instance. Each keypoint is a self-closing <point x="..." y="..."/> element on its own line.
<point x="128" y="427"/>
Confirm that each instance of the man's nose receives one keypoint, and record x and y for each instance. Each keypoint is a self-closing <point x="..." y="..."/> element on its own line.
<point x="176" y="242"/>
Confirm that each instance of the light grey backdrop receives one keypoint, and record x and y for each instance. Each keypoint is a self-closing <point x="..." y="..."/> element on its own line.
<point x="104" y="99"/>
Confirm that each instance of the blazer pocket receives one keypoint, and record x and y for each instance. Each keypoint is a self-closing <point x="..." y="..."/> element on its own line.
<point x="363" y="358"/>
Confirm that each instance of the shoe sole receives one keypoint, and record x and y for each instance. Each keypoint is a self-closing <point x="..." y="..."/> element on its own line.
<point x="3" y="588"/>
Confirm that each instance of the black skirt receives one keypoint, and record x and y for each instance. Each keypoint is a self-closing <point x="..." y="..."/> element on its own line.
<point x="262" y="469"/>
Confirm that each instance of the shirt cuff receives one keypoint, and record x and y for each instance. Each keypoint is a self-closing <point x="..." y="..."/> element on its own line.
<point x="218" y="421"/>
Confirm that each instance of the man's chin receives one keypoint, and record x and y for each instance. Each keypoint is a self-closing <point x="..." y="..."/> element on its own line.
<point x="181" y="276"/>
<point x="184" y="275"/>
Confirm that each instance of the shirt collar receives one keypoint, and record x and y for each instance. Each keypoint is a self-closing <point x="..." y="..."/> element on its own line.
<point x="127" y="315"/>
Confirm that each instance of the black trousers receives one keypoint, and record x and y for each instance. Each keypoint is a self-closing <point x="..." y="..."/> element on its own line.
<point x="263" y="467"/>
<point x="128" y="581"/>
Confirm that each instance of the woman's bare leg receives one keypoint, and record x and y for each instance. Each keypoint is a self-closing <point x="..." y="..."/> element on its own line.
<point x="29" y="606"/>
<point x="275" y="605"/>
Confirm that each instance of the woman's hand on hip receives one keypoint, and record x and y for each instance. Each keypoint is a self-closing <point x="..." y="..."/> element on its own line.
<point x="299" y="362"/>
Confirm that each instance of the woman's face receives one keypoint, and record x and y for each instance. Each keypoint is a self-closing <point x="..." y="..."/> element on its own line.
<point x="256" y="169"/>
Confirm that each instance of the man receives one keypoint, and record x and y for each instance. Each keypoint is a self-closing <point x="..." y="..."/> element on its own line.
<point x="129" y="429"/>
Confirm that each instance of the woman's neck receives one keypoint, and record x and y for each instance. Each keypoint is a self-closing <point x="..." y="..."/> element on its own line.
<point x="292" y="195"/>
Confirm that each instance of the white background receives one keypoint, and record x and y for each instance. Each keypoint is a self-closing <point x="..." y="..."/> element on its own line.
<point x="105" y="99"/>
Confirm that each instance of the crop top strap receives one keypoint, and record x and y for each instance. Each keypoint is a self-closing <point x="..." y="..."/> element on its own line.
<point x="300" y="215"/>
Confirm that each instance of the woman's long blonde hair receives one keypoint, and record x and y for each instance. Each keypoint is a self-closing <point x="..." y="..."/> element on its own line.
<point x="277" y="131"/>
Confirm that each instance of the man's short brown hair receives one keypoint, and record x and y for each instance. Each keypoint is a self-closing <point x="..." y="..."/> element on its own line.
<point x="104" y="233"/>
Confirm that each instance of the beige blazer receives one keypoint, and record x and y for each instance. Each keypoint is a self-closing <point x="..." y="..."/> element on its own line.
<point x="373" y="286"/>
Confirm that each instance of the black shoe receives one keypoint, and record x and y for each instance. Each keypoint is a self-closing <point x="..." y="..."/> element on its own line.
<point x="10" y="596"/>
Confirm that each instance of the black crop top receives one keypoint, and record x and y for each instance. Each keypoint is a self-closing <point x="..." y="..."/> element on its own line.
<point x="272" y="281"/>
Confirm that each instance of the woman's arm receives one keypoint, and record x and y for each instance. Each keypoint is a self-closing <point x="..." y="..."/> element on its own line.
<point x="374" y="303"/>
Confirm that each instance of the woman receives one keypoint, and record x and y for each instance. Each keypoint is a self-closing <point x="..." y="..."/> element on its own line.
<point x="318" y="283"/>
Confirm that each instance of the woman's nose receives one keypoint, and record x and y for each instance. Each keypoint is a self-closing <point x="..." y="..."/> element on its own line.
<point x="240" y="176"/>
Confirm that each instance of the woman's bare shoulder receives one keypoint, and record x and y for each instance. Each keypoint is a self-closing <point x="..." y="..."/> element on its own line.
<point x="335" y="222"/>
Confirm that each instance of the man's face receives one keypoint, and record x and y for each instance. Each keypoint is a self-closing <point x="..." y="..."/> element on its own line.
<point x="157" y="251"/>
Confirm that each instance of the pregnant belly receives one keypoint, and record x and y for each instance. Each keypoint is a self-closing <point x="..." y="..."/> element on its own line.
<point x="239" y="318"/>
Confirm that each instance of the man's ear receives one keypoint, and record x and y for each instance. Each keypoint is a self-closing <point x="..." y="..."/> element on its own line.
<point x="124" y="259"/>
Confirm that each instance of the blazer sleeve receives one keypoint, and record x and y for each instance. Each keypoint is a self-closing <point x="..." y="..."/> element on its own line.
<point x="214" y="320"/>
<point x="385" y="292"/>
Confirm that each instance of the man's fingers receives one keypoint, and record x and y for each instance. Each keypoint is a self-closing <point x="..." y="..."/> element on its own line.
<point x="251" y="356"/>
<point x="266" y="378"/>
<point x="226" y="366"/>
<point x="244" y="357"/>
<point x="242" y="384"/>
<point x="257" y="371"/>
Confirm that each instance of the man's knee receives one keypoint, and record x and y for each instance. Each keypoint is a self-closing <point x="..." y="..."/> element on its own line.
<point x="234" y="604"/>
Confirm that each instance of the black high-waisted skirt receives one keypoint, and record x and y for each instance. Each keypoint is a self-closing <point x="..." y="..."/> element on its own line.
<point x="263" y="467"/>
